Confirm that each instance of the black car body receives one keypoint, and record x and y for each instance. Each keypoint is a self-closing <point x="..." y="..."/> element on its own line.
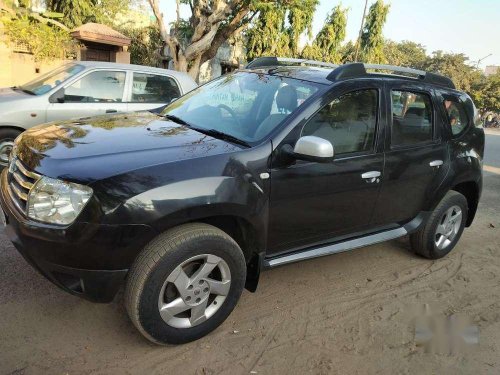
<point x="150" y="173"/>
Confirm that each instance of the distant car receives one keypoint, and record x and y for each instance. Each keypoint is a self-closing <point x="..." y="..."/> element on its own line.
<point x="84" y="89"/>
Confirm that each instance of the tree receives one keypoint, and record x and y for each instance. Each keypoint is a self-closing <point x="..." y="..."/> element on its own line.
<point x="327" y="44"/>
<point x="76" y="12"/>
<point x="268" y="35"/>
<point x="372" y="40"/>
<point x="489" y="98"/>
<point x="145" y="45"/>
<point x="405" y="53"/>
<point x="211" y="22"/>
<point x="300" y="19"/>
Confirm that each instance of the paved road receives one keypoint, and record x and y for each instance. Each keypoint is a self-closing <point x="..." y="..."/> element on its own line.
<point x="492" y="149"/>
<point x="346" y="313"/>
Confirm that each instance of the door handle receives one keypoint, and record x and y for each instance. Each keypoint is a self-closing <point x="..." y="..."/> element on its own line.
<point x="436" y="163"/>
<point x="111" y="111"/>
<point x="372" y="176"/>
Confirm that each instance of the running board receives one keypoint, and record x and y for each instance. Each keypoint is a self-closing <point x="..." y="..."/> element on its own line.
<point x="338" y="247"/>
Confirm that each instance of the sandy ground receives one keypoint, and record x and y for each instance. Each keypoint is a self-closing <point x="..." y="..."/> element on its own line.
<point x="342" y="314"/>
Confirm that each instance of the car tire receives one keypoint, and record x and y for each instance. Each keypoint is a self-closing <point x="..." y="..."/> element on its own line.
<point x="170" y="274"/>
<point x="7" y="137"/>
<point x="443" y="228"/>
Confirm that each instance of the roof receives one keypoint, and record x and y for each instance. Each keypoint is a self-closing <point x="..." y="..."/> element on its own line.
<point x="321" y="72"/>
<point x="99" y="33"/>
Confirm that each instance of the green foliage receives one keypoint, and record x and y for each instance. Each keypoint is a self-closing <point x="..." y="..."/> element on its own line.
<point x="328" y="42"/>
<point x="300" y="17"/>
<point x="405" y="53"/>
<point x="76" y="12"/>
<point x="372" y="39"/>
<point x="44" y="42"/>
<point x="270" y="34"/>
<point x="145" y="46"/>
<point x="488" y="94"/>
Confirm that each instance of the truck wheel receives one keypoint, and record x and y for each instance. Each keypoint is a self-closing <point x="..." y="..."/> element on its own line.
<point x="443" y="228"/>
<point x="185" y="283"/>
<point x="7" y="136"/>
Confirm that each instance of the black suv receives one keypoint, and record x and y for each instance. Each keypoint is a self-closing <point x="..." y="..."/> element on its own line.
<point x="282" y="161"/>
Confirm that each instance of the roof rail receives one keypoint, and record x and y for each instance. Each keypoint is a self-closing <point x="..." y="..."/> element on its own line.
<point x="359" y="69"/>
<point x="268" y="61"/>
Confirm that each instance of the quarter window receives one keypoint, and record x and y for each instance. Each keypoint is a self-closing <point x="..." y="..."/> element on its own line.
<point x="348" y="122"/>
<point x="100" y="86"/>
<point x="455" y="112"/>
<point x="152" y="88"/>
<point x="411" y="118"/>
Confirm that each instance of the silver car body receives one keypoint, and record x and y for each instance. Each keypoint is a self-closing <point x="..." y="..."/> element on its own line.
<point x="21" y="110"/>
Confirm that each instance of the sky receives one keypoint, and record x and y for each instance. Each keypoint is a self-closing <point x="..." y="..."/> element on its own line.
<point x="471" y="27"/>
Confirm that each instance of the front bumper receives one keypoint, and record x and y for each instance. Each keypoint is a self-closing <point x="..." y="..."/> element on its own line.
<point x="90" y="260"/>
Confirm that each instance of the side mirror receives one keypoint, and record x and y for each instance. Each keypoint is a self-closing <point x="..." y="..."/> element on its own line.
<point x="57" y="97"/>
<point x="312" y="148"/>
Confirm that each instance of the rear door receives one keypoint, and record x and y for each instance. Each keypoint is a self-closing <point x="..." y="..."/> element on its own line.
<point x="315" y="202"/>
<point x="151" y="90"/>
<point x="98" y="92"/>
<point x="416" y="156"/>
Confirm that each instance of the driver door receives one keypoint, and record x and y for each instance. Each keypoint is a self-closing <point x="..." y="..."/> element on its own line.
<point x="317" y="202"/>
<point x="97" y="93"/>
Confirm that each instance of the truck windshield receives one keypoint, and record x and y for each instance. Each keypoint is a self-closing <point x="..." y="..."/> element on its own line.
<point x="48" y="81"/>
<point x="243" y="105"/>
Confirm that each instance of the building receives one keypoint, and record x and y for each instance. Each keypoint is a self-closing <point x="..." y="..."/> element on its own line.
<point x="101" y="43"/>
<point x="491" y="69"/>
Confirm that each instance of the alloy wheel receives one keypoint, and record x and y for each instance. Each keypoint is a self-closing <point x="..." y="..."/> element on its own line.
<point x="448" y="227"/>
<point x="194" y="291"/>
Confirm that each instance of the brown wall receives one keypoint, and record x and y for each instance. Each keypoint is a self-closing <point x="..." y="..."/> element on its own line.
<point x="19" y="68"/>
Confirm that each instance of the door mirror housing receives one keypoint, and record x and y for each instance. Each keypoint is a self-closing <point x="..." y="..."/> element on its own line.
<point x="313" y="148"/>
<point x="58" y="96"/>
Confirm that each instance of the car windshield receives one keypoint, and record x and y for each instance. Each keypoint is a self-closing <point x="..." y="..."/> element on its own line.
<point x="244" y="105"/>
<point x="48" y="81"/>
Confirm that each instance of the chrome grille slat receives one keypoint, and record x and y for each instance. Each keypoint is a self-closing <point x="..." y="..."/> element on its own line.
<point x="19" y="193"/>
<point x="25" y="184"/>
<point x="20" y="182"/>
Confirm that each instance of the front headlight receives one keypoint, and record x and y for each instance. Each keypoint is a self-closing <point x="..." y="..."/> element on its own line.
<point x="57" y="202"/>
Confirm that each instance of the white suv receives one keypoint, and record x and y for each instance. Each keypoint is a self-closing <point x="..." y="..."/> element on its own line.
<point x="84" y="89"/>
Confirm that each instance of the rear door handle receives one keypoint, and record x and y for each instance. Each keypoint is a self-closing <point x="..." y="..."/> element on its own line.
<point x="372" y="176"/>
<point x="436" y="163"/>
<point x="111" y="111"/>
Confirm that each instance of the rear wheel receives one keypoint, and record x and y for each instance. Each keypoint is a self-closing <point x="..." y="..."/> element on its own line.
<point x="7" y="137"/>
<point x="185" y="283"/>
<point x="443" y="229"/>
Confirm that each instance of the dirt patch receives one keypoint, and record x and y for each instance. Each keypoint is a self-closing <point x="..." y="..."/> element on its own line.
<point x="346" y="313"/>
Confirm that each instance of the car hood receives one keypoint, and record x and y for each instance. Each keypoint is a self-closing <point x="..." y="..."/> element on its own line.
<point x="93" y="148"/>
<point x="9" y="95"/>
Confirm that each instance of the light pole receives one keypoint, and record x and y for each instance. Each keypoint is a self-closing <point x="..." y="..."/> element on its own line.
<point x="481" y="59"/>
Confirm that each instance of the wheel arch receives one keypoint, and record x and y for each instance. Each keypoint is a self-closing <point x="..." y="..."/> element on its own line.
<point x="471" y="191"/>
<point x="13" y="127"/>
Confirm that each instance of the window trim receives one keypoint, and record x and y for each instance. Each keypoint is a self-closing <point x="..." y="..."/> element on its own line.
<point x="434" y="139"/>
<point x="347" y="155"/>
<point x="448" y="125"/>
<point x="90" y="71"/>
<point x="131" y="83"/>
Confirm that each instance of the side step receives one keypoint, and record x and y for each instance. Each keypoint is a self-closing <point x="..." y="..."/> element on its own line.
<point x="347" y="245"/>
<point x="335" y="248"/>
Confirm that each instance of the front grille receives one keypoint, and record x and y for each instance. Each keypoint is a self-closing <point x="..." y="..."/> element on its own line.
<point x="21" y="181"/>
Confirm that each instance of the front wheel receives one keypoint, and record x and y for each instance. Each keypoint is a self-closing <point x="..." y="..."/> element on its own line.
<point x="7" y="137"/>
<point x="185" y="283"/>
<point x="443" y="228"/>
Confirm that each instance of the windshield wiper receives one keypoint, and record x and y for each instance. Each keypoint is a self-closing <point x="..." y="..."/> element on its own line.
<point x="211" y="132"/>
<point x="177" y="120"/>
<point x="226" y="137"/>
<point x="19" y="88"/>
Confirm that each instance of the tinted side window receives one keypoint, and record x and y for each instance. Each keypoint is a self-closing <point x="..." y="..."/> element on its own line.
<point x="411" y="118"/>
<point x="100" y="86"/>
<point x="152" y="88"/>
<point x="457" y="117"/>
<point x="348" y="122"/>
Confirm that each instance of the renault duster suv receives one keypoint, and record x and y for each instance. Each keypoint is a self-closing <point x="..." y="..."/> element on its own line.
<point x="282" y="161"/>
